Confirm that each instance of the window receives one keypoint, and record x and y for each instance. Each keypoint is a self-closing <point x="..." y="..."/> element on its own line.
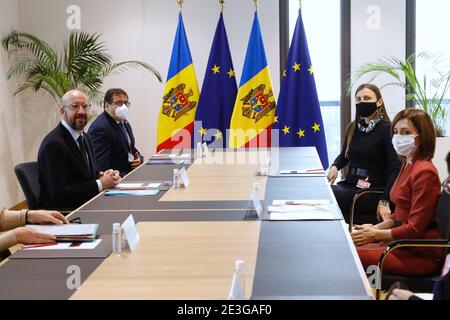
<point x="431" y="26"/>
<point x="324" y="49"/>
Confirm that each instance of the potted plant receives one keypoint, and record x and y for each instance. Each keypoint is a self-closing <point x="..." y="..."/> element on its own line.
<point x="427" y="92"/>
<point x="83" y="65"/>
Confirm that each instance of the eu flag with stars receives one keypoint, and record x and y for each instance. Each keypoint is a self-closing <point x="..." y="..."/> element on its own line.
<point x="298" y="115"/>
<point x="218" y="93"/>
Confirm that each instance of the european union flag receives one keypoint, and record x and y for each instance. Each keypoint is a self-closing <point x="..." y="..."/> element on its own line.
<point x="218" y="92"/>
<point x="298" y="115"/>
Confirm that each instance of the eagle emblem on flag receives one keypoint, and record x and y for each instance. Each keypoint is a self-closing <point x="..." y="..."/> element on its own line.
<point x="176" y="102"/>
<point x="257" y="104"/>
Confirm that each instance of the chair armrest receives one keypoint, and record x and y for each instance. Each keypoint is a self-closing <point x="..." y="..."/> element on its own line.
<point x="358" y="196"/>
<point x="418" y="243"/>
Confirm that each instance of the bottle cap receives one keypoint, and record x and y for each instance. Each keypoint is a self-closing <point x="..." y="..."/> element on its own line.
<point x="116" y="226"/>
<point x="175" y="171"/>
<point x="255" y="186"/>
<point x="239" y="264"/>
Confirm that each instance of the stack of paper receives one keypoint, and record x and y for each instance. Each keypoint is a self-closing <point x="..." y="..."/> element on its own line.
<point x="300" y="210"/>
<point x="69" y="232"/>
<point x="303" y="171"/>
<point x="131" y="192"/>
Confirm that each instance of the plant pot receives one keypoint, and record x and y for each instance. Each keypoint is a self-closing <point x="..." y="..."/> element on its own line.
<point x="442" y="149"/>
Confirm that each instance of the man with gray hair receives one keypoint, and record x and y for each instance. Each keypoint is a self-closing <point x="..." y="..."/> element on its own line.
<point x="66" y="159"/>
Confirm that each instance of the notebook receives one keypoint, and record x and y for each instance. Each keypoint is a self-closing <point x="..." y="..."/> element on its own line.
<point x="69" y="232"/>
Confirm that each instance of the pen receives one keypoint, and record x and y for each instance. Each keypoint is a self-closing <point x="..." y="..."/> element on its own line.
<point x="39" y="245"/>
<point x="125" y="189"/>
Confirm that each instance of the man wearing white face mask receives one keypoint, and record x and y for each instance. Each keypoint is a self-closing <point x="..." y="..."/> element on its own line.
<point x="112" y="136"/>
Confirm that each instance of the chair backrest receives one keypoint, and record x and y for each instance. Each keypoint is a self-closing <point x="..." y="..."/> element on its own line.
<point x="443" y="215"/>
<point x="28" y="175"/>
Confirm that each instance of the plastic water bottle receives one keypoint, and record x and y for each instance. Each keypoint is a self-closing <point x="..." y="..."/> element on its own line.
<point x="176" y="179"/>
<point x="117" y="239"/>
<point x="237" y="288"/>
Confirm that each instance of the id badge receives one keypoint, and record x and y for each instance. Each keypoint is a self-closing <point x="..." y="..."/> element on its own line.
<point x="363" y="184"/>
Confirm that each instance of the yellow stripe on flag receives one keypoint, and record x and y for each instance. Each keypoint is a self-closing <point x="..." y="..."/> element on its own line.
<point x="180" y="102"/>
<point x="254" y="109"/>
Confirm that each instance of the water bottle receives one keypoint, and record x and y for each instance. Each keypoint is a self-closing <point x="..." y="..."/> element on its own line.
<point x="117" y="239"/>
<point x="237" y="289"/>
<point x="176" y="179"/>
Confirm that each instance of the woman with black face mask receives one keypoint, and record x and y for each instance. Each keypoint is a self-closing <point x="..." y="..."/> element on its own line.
<point x="371" y="159"/>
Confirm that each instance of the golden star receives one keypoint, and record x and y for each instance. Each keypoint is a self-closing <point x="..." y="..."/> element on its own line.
<point x="296" y="67"/>
<point x="316" y="127"/>
<point x="202" y="131"/>
<point x="301" y="133"/>
<point x="311" y="70"/>
<point x="230" y="73"/>
<point x="284" y="73"/>
<point x="216" y="69"/>
<point x="218" y="135"/>
<point x="286" y="130"/>
<point x="275" y="119"/>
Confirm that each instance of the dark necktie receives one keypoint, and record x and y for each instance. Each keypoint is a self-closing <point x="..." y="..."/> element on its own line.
<point x="125" y="133"/>
<point x="82" y="145"/>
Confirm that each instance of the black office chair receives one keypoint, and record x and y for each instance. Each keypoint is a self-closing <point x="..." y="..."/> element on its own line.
<point x="28" y="175"/>
<point x="369" y="217"/>
<point x="419" y="283"/>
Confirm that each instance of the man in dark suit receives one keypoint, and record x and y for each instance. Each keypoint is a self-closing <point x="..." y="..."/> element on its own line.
<point x="112" y="136"/>
<point x="66" y="159"/>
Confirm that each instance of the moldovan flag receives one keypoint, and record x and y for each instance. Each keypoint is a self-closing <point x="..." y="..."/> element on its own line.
<point x="254" y="109"/>
<point x="181" y="95"/>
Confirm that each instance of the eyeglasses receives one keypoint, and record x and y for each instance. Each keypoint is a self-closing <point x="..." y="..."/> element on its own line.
<point x="120" y="103"/>
<point x="76" y="107"/>
<point x="76" y="220"/>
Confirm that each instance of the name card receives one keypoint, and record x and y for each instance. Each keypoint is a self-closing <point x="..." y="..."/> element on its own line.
<point x="184" y="178"/>
<point x="130" y="233"/>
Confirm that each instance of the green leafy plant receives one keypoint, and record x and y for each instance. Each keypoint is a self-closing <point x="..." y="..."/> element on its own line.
<point x="83" y="65"/>
<point x="428" y="92"/>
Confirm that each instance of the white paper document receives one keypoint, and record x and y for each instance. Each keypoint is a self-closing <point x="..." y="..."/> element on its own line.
<point x="66" y="229"/>
<point x="303" y="171"/>
<point x="300" y="210"/>
<point x="153" y="185"/>
<point x="129" y="185"/>
<point x="64" y="246"/>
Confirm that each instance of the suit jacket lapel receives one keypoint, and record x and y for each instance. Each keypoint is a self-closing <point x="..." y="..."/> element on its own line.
<point x="118" y="131"/>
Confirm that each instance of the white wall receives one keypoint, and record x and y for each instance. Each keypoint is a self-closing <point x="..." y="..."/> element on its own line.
<point x="132" y="29"/>
<point x="378" y="29"/>
<point x="10" y="135"/>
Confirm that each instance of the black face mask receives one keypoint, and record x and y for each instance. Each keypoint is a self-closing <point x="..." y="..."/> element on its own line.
<point x="366" y="109"/>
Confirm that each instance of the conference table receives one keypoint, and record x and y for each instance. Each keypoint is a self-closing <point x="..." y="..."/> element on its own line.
<point x="191" y="237"/>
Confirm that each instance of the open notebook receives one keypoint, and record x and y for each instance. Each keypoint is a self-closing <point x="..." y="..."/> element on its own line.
<point x="69" y="232"/>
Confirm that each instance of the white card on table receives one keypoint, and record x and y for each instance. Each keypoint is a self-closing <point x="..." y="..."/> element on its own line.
<point x="130" y="232"/>
<point x="184" y="178"/>
<point x="205" y="149"/>
<point x="256" y="203"/>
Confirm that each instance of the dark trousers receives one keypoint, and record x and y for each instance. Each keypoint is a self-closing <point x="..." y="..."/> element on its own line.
<point x="365" y="209"/>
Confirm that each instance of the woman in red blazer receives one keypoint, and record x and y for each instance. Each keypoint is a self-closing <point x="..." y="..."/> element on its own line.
<point x="415" y="194"/>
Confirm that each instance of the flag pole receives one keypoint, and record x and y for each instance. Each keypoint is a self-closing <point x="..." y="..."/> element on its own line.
<point x="256" y="4"/>
<point x="300" y="5"/>
<point x="180" y="4"/>
<point x="222" y="3"/>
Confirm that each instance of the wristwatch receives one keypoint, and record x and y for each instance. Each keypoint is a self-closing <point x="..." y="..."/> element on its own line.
<point x="384" y="203"/>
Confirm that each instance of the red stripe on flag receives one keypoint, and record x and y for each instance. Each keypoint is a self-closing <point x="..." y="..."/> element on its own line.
<point x="262" y="140"/>
<point x="182" y="139"/>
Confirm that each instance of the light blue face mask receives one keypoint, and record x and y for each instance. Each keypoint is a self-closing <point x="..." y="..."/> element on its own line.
<point x="404" y="144"/>
<point x="122" y="112"/>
